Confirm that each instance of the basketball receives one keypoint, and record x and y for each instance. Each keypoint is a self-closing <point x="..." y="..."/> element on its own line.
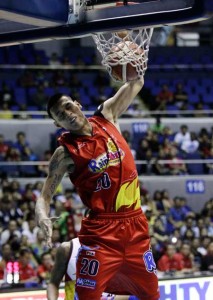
<point x="123" y="60"/>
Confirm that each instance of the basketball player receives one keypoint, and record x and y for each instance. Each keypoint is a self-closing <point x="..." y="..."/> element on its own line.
<point x="114" y="237"/>
<point x="65" y="265"/>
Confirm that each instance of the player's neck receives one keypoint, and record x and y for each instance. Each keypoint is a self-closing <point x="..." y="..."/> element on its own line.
<point x="86" y="129"/>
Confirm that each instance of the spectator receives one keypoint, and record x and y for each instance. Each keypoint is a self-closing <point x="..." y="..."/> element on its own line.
<point x="43" y="168"/>
<point x="45" y="268"/>
<point x="189" y="235"/>
<point x="205" y="145"/>
<point x="160" y="232"/>
<point x="6" y="95"/>
<point x="26" y="272"/>
<point x="39" y="246"/>
<point x="39" y="98"/>
<point x="164" y="97"/>
<point x="66" y="61"/>
<point x="182" y="136"/>
<point x="59" y="79"/>
<point x="3" y="147"/>
<point x="167" y="133"/>
<point x="56" y="238"/>
<point x="195" y="250"/>
<point x="156" y="249"/>
<point x="31" y="230"/>
<point x="21" y="142"/>
<point x="176" y="215"/>
<point x="190" y="224"/>
<point x="176" y="166"/>
<point x="209" y="165"/>
<point x="187" y="258"/>
<point x="158" y="127"/>
<point x="6" y="256"/>
<point x="54" y="60"/>
<point x="9" y="212"/>
<point x="135" y="110"/>
<point x="199" y="110"/>
<point x="8" y="234"/>
<point x="142" y="149"/>
<point x="207" y="260"/>
<point x="27" y="79"/>
<point x="192" y="145"/>
<point x="28" y="170"/>
<point x="23" y="114"/>
<point x="159" y="167"/>
<point x="6" y="112"/>
<point x="167" y="147"/>
<point x="170" y="261"/>
<point x="180" y="96"/>
<point x="37" y="188"/>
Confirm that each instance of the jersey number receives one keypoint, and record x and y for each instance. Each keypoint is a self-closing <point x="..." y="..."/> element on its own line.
<point x="103" y="182"/>
<point x="89" y="267"/>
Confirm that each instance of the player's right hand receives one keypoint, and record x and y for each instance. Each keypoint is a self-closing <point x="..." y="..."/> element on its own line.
<point x="46" y="226"/>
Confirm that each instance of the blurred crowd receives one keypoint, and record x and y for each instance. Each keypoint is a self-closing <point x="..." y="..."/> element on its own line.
<point x="159" y="151"/>
<point x="22" y="241"/>
<point x="164" y="152"/>
<point x="182" y="240"/>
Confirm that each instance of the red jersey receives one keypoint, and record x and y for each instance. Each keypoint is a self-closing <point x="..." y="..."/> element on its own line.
<point x="186" y="261"/>
<point x="166" y="263"/>
<point x="26" y="272"/>
<point x="105" y="174"/>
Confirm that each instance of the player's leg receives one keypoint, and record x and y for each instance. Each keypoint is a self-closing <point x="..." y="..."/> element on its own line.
<point x="139" y="262"/>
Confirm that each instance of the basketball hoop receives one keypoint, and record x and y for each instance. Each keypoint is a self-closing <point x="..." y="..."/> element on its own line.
<point x="129" y="47"/>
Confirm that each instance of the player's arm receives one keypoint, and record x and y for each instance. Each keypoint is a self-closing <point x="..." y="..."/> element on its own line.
<point x="59" y="164"/>
<point x="119" y="103"/>
<point x="58" y="271"/>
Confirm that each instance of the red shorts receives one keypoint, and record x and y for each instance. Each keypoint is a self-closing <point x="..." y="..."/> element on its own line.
<point x="115" y="256"/>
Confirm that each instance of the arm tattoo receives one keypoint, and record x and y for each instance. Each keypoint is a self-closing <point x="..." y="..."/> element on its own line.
<point x="58" y="158"/>
<point x="54" y="183"/>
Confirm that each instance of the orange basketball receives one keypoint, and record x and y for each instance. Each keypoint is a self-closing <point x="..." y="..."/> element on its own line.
<point x="119" y="55"/>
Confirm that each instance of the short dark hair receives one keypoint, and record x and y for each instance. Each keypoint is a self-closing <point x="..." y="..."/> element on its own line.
<point x="23" y="251"/>
<point x="52" y="101"/>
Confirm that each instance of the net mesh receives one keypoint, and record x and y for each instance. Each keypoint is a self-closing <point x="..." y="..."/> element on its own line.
<point x="126" y="47"/>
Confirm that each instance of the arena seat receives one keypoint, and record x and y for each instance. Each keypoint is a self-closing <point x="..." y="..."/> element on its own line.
<point x="20" y="95"/>
<point x="193" y="168"/>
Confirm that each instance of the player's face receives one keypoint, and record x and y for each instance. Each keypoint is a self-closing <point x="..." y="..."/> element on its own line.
<point x="67" y="114"/>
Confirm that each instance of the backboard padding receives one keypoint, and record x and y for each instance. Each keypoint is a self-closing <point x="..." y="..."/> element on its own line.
<point x="144" y="14"/>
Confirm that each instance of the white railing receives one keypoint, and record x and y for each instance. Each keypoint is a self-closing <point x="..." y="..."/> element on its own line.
<point x="137" y="162"/>
<point x="144" y="114"/>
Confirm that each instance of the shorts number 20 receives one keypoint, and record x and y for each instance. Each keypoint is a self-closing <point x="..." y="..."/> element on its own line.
<point x="89" y="267"/>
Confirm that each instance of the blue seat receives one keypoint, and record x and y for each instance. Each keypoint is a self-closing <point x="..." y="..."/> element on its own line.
<point x="208" y="98"/>
<point x="193" y="98"/>
<point x="149" y="83"/>
<point x="64" y="90"/>
<point x="194" y="168"/>
<point x="20" y="95"/>
<point x="49" y="91"/>
<point x="171" y="107"/>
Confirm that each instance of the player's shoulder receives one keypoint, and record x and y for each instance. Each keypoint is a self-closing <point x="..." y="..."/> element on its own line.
<point x="61" y="153"/>
<point x="70" y="245"/>
<point x="64" y="249"/>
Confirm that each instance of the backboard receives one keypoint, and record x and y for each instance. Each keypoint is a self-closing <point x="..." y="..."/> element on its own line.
<point x="27" y="21"/>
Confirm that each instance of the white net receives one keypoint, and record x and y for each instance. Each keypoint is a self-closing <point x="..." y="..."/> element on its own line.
<point x="129" y="47"/>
